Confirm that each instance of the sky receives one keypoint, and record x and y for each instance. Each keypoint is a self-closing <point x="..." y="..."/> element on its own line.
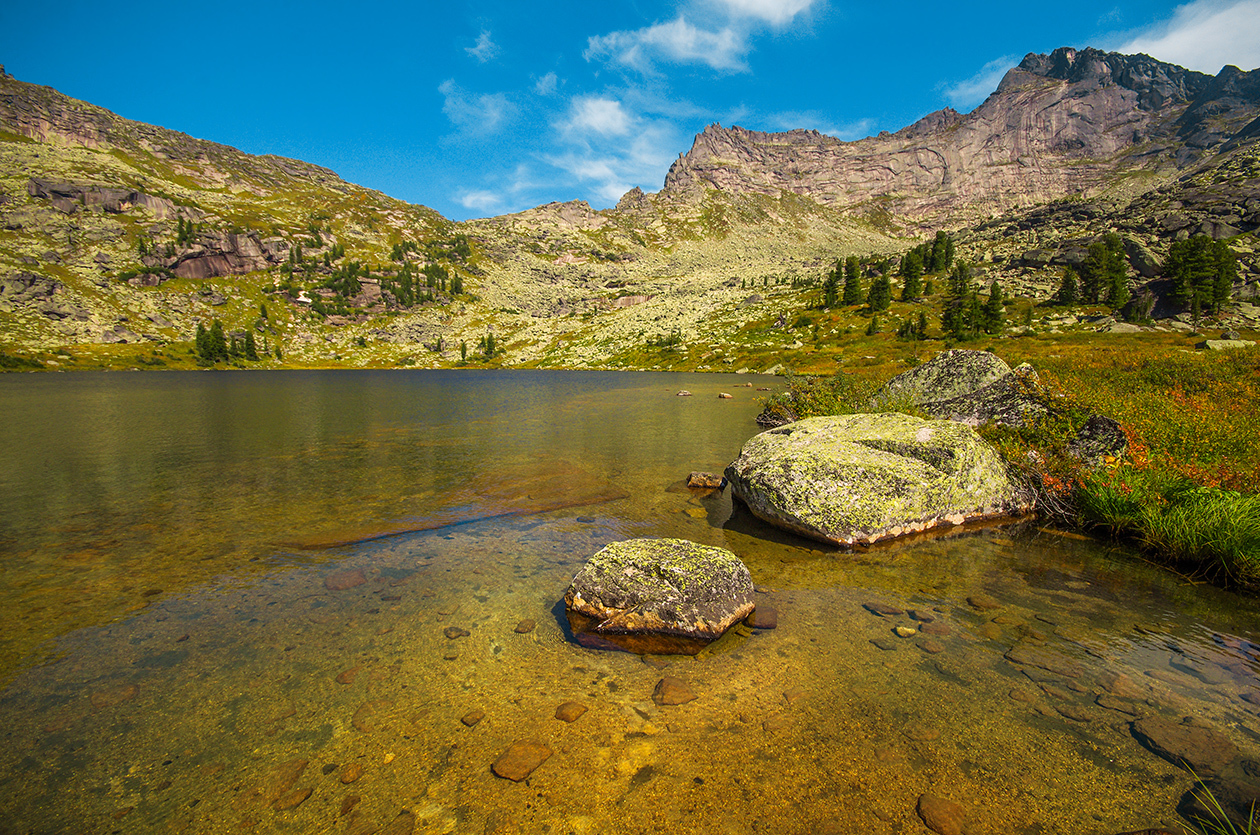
<point x="484" y="107"/>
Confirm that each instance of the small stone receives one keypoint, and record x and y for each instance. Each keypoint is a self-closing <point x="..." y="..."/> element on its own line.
<point x="921" y="615"/>
<point x="352" y="772"/>
<point x="706" y="481"/>
<point x="348" y="803"/>
<point x="347" y="677"/>
<point x="795" y="694"/>
<point x="684" y="393"/>
<point x="776" y="722"/>
<point x="525" y="627"/>
<point x="724" y="396"/>
<point x="921" y="734"/>
<point x="763" y="617"/>
<point x="1074" y="712"/>
<point x="672" y="691"/>
<point x="942" y="816"/>
<point x="570" y="711"/>
<point x="938" y="629"/>
<point x="473" y="717"/>
<point x="342" y="580"/>
<point x="884" y="644"/>
<point x="983" y="602"/>
<point x="882" y="609"/>
<point x="328" y="768"/>
<point x="905" y="631"/>
<point x="656" y="662"/>
<point x="404" y="824"/>
<point x="930" y="646"/>
<point x="454" y="632"/>
<point x="520" y="759"/>
<point x="292" y="800"/>
<point x="1021" y="695"/>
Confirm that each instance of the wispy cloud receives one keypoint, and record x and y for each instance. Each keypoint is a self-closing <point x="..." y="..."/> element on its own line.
<point x="722" y="45"/>
<point x="546" y="85"/>
<point x="969" y="92"/>
<point x="676" y="42"/>
<point x="475" y="114"/>
<point x="600" y="115"/>
<point x="1204" y="35"/>
<point x="481" y="200"/>
<point x="485" y="48"/>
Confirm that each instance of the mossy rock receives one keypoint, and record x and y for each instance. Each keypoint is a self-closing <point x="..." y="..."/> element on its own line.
<point x="658" y="596"/>
<point x="971" y="387"/>
<point x="857" y="479"/>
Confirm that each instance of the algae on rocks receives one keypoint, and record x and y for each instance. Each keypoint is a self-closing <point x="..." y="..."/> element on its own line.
<point x="857" y="479"/>
<point x="658" y="596"/>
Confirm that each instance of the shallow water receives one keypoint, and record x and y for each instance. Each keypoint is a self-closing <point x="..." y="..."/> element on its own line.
<point x="174" y="652"/>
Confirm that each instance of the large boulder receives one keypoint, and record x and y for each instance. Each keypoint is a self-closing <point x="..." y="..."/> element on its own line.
<point x="972" y="387"/>
<point x="658" y="596"/>
<point x="857" y="479"/>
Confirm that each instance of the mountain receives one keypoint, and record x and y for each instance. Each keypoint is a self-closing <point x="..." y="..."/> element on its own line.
<point x="118" y="239"/>
<point x="1073" y="123"/>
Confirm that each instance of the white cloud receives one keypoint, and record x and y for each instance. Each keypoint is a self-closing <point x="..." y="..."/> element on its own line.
<point x="676" y="41"/>
<point x="1204" y="35"/>
<point x="482" y="114"/>
<point x="969" y="92"/>
<point x="546" y="85"/>
<point x="483" y="201"/>
<point x="603" y="116"/>
<point x="485" y="48"/>
<point x="777" y="12"/>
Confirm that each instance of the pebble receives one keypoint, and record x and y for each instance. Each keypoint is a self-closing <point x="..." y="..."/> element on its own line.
<point x="656" y="662"/>
<point x="795" y="694"/>
<point x="1021" y="695"/>
<point x="983" y="601"/>
<point x="524" y="627"/>
<point x="454" y="632"/>
<point x="570" y="711"/>
<point x="724" y="396"/>
<point x="347" y="677"/>
<point x="884" y="644"/>
<point x="882" y="609"/>
<point x="930" y="646"/>
<point x="944" y="817"/>
<point x="348" y="803"/>
<point x="328" y="768"/>
<point x="520" y="759"/>
<point x="921" y="734"/>
<point x="775" y="723"/>
<point x="352" y="772"/>
<point x="342" y="580"/>
<point x="292" y="800"/>
<point x="905" y="631"/>
<point x="271" y="786"/>
<point x="404" y="824"/>
<point x="921" y="616"/>
<point x="672" y="691"/>
<point x="683" y="393"/>
<point x="938" y="629"/>
<point x="763" y="617"/>
<point x="473" y="717"/>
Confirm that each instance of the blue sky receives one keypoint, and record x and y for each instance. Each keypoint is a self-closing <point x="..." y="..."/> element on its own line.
<point x="480" y="107"/>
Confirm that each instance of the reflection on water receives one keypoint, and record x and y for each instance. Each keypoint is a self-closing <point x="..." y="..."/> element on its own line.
<point x="269" y="689"/>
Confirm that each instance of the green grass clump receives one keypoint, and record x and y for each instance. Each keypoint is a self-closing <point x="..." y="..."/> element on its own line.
<point x="839" y="394"/>
<point x="1214" y="531"/>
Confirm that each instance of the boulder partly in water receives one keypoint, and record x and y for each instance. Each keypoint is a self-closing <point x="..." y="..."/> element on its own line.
<point x="658" y="596"/>
<point x="857" y="479"/>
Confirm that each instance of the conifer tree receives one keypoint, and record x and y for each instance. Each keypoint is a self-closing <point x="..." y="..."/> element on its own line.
<point x="1203" y="271"/>
<point x="251" y="347"/>
<point x="205" y="355"/>
<point x="831" y="288"/>
<point x="880" y="295"/>
<point x="993" y="317"/>
<point x="1069" y="290"/>
<point x="911" y="273"/>
<point x="217" y="342"/>
<point x="852" y="282"/>
<point x="872" y="327"/>
<point x="960" y="309"/>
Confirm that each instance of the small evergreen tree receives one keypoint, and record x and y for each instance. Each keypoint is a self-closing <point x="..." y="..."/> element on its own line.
<point x="217" y="342"/>
<point x="852" y="282"/>
<point x="205" y="354"/>
<point x="1201" y="270"/>
<point x="960" y="311"/>
<point x="1104" y="267"/>
<point x="880" y="295"/>
<point x="1069" y="290"/>
<point x="993" y="316"/>
<point x="251" y="347"/>
<point x="911" y="274"/>
<point x="872" y="327"/>
<point x="463" y="350"/>
<point x="831" y="288"/>
<point x="489" y="344"/>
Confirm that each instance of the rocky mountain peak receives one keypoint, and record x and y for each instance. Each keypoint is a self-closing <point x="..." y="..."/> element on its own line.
<point x="1157" y="84"/>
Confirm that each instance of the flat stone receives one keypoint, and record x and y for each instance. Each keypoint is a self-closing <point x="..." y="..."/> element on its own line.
<point x="1119" y="705"/>
<point x="454" y="632"/>
<point x="404" y="824"/>
<point x="935" y="628"/>
<point x="984" y="602"/>
<point x="292" y="800"/>
<point x="706" y="481"/>
<point x="520" y="759"/>
<point x="1074" y="712"/>
<point x="931" y="646"/>
<point x="342" y="580"/>
<point x="763" y="617"/>
<point x="905" y="631"/>
<point x="348" y="676"/>
<point x="1027" y="655"/>
<point x="882" y="609"/>
<point x="472" y="717"/>
<point x="672" y="691"/>
<point x="524" y="627"/>
<point x="570" y="711"/>
<point x="1021" y="695"/>
<point x="1204" y="750"/>
<point x="662" y="596"/>
<point x="944" y="817"/>
<point x="884" y="644"/>
<point x="351" y="772"/>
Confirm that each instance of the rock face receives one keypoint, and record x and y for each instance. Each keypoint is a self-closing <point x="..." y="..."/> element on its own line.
<point x="1044" y="133"/>
<point x="857" y="479"/>
<point x="658" y="596"/>
<point x="972" y="387"/>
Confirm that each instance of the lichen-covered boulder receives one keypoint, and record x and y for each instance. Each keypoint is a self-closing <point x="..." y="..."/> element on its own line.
<point x="971" y="387"/>
<point x="857" y="479"/>
<point x="658" y="596"/>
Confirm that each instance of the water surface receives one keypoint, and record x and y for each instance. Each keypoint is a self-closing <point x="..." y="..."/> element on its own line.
<point x="210" y="608"/>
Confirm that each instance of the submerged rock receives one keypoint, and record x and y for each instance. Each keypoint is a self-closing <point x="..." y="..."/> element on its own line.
<point x="658" y="596"/>
<point x="857" y="479"/>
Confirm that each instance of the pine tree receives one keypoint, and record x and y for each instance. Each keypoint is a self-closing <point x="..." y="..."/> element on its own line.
<point x="489" y="344"/>
<point x="463" y="350"/>
<point x="958" y="313"/>
<point x="251" y="347"/>
<point x="1202" y="270"/>
<point x="205" y="354"/>
<point x="880" y="295"/>
<point x="831" y="288"/>
<point x="852" y="282"/>
<point x="993" y="317"/>
<point x="911" y="273"/>
<point x="217" y="342"/>
<point x="1069" y="291"/>
<point x="1103" y="269"/>
<point x="872" y="327"/>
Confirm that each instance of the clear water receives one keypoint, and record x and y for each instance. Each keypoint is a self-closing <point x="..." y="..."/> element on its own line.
<point x="171" y="651"/>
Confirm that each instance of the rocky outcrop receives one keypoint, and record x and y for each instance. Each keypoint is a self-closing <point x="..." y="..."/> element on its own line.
<point x="658" y="596"/>
<point x="68" y="198"/>
<point x="224" y="253"/>
<point x="1058" y="124"/>
<point x="857" y="479"/>
<point x="973" y="387"/>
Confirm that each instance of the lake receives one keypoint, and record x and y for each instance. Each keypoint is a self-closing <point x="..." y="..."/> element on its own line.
<point x="277" y="602"/>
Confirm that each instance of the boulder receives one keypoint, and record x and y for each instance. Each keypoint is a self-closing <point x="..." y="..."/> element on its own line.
<point x="1098" y="438"/>
<point x="658" y="596"/>
<point x="972" y="387"/>
<point x="1225" y="344"/>
<point x="857" y="479"/>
